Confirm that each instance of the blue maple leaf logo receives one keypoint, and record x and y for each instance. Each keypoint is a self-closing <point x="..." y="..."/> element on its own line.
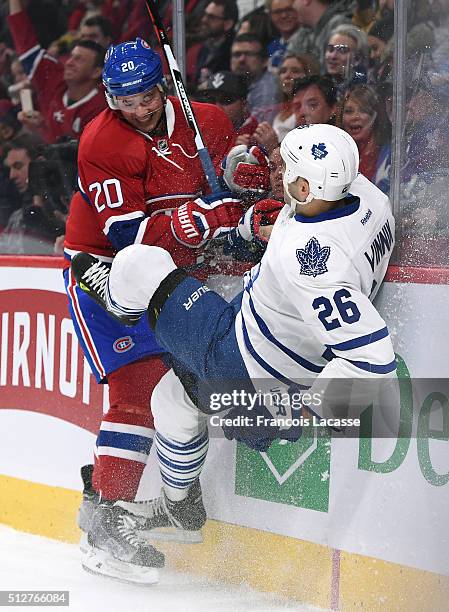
<point x="319" y="151"/>
<point x="313" y="258"/>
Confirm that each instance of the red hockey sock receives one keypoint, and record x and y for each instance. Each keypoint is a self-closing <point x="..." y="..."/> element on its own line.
<point x="126" y="432"/>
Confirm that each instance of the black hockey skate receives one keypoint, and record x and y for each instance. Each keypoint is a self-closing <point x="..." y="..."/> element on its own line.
<point x="170" y="520"/>
<point x="92" y="275"/>
<point x="90" y="500"/>
<point x="114" y="547"/>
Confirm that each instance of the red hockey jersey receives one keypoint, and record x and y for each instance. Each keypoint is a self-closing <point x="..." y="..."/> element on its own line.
<point x="62" y="117"/>
<point x="130" y="182"/>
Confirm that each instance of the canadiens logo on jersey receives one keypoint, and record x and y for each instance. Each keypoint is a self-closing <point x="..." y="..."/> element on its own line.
<point x="319" y="151"/>
<point x="313" y="258"/>
<point x="121" y="345"/>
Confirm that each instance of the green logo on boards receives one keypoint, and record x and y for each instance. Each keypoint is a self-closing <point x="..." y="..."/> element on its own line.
<point x="289" y="473"/>
<point x="299" y="474"/>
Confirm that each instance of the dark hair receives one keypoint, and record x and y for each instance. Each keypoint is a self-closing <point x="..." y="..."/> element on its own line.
<point x="251" y="38"/>
<point x="369" y="100"/>
<point x="31" y="143"/>
<point x="230" y="9"/>
<point x="324" y="84"/>
<point x="101" y="22"/>
<point x="98" y="50"/>
<point x="260" y="25"/>
<point x="382" y="29"/>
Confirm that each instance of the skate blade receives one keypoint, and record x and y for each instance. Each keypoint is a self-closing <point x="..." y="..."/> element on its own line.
<point x="172" y="534"/>
<point x="101" y="563"/>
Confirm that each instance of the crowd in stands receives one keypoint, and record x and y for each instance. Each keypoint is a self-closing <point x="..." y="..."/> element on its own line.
<point x="284" y="64"/>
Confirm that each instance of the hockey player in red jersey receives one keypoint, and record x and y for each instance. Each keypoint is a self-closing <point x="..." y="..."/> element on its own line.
<point x="141" y="182"/>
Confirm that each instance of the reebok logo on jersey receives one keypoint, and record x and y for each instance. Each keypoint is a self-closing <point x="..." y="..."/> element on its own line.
<point x="364" y="220"/>
<point x="313" y="258"/>
<point x="195" y="296"/>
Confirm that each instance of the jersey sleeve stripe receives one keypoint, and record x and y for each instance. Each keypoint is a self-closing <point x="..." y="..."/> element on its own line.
<point x="360" y="341"/>
<point x="141" y="231"/>
<point x="374" y="368"/>
<point x="118" y="218"/>
<point x="308" y="365"/>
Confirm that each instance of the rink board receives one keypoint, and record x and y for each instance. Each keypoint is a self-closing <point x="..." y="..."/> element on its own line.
<point x="351" y="526"/>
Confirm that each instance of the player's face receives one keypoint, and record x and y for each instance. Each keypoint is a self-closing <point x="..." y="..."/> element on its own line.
<point x="142" y="111"/>
<point x="17" y="161"/>
<point x="339" y="54"/>
<point x="358" y="121"/>
<point x="310" y="106"/>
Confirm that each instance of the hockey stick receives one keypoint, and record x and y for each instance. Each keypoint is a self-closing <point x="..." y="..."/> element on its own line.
<point x="203" y="153"/>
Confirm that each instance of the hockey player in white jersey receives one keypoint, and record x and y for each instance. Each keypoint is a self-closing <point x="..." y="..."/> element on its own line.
<point x="305" y="314"/>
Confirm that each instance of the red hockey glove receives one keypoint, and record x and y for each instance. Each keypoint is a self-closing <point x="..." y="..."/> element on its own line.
<point x="203" y="219"/>
<point x="247" y="170"/>
<point x="265" y="213"/>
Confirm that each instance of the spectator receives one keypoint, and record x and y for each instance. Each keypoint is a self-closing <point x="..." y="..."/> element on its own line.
<point x="229" y="91"/>
<point x="33" y="227"/>
<point x="249" y="58"/>
<point x="217" y="30"/>
<point x="258" y="23"/>
<point x="346" y="56"/>
<point x="319" y="17"/>
<point x="427" y="130"/>
<point x="314" y="100"/>
<point x="379" y="35"/>
<point x="365" y="119"/>
<point x="68" y="96"/>
<point x="293" y="67"/>
<point x="285" y="20"/>
<point x="98" y="29"/>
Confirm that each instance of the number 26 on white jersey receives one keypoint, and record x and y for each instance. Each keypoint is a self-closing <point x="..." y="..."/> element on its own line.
<point x="108" y="193"/>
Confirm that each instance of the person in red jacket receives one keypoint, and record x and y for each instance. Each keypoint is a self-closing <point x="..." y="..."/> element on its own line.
<point x="141" y="182"/>
<point x="68" y="95"/>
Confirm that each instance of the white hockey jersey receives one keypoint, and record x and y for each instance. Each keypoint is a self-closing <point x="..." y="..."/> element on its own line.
<point x="306" y="310"/>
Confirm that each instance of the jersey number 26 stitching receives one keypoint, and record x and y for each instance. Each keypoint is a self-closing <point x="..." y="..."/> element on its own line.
<point x="347" y="309"/>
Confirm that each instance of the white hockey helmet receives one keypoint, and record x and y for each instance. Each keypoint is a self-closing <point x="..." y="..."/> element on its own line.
<point x="326" y="156"/>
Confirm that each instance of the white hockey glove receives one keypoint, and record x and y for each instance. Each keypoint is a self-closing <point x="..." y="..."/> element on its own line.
<point x="246" y="170"/>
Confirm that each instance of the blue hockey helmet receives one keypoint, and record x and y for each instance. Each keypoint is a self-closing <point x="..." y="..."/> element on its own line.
<point x="131" y="68"/>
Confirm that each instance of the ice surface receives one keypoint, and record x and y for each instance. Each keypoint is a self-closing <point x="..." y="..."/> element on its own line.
<point x="31" y="562"/>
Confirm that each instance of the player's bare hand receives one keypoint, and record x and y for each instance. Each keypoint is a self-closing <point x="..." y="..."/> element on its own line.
<point x="266" y="136"/>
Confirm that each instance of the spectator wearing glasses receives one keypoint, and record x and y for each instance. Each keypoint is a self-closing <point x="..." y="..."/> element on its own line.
<point x="285" y="20"/>
<point x="217" y="30"/>
<point x="318" y="18"/>
<point x="249" y="59"/>
<point x="346" y="57"/>
<point x="229" y="91"/>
